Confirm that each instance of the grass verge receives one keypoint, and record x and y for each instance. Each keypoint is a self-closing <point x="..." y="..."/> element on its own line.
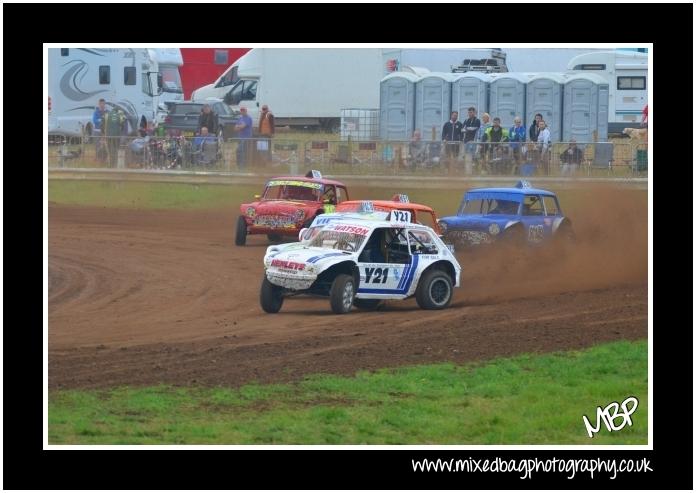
<point x="528" y="399"/>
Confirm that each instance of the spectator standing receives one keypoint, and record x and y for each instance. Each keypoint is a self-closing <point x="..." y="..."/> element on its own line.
<point x="266" y="130"/>
<point x="544" y="142"/>
<point x="480" y="148"/>
<point x="571" y="158"/>
<point x="534" y="127"/>
<point x="471" y="129"/>
<point x="98" y="116"/>
<point x="452" y="135"/>
<point x="113" y="126"/>
<point x="518" y="136"/>
<point x="494" y="135"/>
<point x="208" y="119"/>
<point x="416" y="149"/>
<point x="243" y="128"/>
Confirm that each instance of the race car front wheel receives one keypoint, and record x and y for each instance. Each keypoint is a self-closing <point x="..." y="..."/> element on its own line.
<point x="240" y="237"/>
<point x="434" y="290"/>
<point x="342" y="293"/>
<point x="271" y="296"/>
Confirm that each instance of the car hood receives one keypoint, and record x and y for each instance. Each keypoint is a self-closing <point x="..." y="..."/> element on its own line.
<point x="477" y="222"/>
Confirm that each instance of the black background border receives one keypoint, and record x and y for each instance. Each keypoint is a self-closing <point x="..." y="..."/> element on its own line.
<point x="26" y="27"/>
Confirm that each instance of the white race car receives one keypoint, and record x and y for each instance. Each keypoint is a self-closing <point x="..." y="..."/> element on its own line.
<point x="362" y="262"/>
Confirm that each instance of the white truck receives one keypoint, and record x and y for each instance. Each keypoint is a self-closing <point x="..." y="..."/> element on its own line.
<point x="127" y="78"/>
<point x="166" y="62"/>
<point x="305" y="87"/>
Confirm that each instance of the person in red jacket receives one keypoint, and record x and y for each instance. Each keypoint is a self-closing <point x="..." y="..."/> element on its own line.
<point x="644" y="121"/>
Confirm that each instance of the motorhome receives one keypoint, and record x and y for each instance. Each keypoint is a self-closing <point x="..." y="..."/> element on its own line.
<point x="627" y="75"/>
<point x="126" y="78"/>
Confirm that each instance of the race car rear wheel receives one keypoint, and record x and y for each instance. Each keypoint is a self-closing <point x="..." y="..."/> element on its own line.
<point x="240" y="237"/>
<point x="434" y="290"/>
<point x="271" y="296"/>
<point x="342" y="293"/>
<point x="275" y="238"/>
<point x="366" y="304"/>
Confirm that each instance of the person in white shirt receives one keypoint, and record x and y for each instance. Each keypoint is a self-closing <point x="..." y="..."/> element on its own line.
<point x="544" y="142"/>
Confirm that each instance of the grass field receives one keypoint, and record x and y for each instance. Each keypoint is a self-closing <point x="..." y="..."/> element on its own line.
<point x="529" y="399"/>
<point x="148" y="195"/>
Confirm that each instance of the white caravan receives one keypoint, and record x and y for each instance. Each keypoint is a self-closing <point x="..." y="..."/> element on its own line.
<point x="78" y="77"/>
<point x="627" y="75"/>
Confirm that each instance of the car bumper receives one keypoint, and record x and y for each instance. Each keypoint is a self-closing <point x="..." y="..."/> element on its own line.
<point x="290" y="281"/>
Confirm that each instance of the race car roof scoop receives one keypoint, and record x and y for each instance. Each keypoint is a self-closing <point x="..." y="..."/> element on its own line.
<point x="523" y="184"/>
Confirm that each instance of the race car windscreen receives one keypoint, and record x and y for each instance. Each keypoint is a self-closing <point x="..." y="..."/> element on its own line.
<point x="338" y="240"/>
<point x="490" y="206"/>
<point x="285" y="190"/>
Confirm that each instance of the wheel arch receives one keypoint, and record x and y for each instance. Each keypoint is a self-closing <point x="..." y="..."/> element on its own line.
<point x="445" y="266"/>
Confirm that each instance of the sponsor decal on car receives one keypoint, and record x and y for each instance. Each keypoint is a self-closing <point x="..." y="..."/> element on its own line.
<point x="285" y="264"/>
<point x="295" y="183"/>
<point x="351" y="229"/>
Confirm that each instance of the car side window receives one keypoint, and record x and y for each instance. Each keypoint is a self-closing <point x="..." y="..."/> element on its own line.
<point x="329" y="194"/>
<point x="551" y="206"/>
<point x="532" y="206"/>
<point x="397" y="246"/>
<point x="341" y="194"/>
<point x="422" y="243"/>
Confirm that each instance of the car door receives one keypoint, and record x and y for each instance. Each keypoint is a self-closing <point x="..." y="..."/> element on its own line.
<point x="533" y="219"/>
<point x="386" y="264"/>
<point x="552" y="211"/>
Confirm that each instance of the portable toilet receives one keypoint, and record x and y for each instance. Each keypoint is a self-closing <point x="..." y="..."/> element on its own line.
<point x="545" y="96"/>
<point x="433" y="103"/>
<point x="470" y="89"/>
<point x="585" y="108"/>
<point x="507" y="97"/>
<point x="397" y="104"/>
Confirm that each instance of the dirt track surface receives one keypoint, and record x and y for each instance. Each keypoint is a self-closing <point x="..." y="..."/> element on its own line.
<point x="146" y="297"/>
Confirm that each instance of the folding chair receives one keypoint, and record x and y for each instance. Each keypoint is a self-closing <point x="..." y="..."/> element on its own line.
<point x="603" y="157"/>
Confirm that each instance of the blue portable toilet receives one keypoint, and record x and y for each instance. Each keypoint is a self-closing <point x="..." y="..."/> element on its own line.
<point x="397" y="104"/>
<point x="470" y="89"/>
<point x="585" y="108"/>
<point x="433" y="103"/>
<point x="507" y="97"/>
<point x="545" y="96"/>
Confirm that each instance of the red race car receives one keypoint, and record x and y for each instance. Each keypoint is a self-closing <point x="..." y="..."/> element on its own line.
<point x="288" y="204"/>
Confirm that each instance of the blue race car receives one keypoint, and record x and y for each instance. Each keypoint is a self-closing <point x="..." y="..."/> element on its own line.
<point x="518" y="215"/>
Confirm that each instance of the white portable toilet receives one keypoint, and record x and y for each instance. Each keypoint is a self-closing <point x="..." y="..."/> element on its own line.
<point x="507" y="97"/>
<point x="585" y="108"/>
<point x="433" y="103"/>
<point x="545" y="96"/>
<point x="397" y="104"/>
<point x="470" y="89"/>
